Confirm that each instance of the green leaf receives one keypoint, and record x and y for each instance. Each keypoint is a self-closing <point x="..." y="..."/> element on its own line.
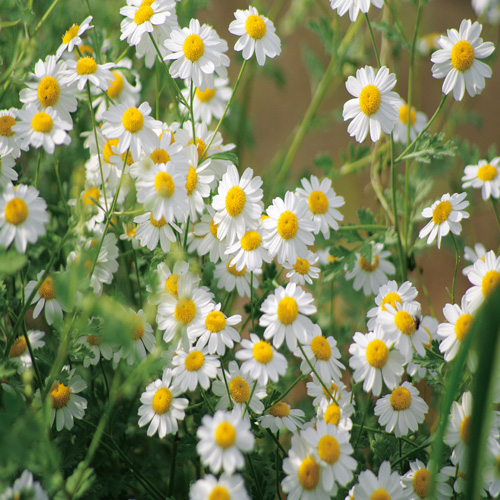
<point x="365" y="216"/>
<point x="324" y="31"/>
<point x="79" y="482"/>
<point x="228" y="156"/>
<point x="11" y="262"/>
<point x="324" y="161"/>
<point x="391" y="33"/>
<point x="432" y="147"/>
<point x="314" y="65"/>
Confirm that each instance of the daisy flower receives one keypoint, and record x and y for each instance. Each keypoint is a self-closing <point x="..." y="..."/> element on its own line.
<point x="149" y="231"/>
<point x="374" y="107"/>
<point x="457" y="432"/>
<point x="354" y="6"/>
<point x="45" y="297"/>
<point x="10" y="142"/>
<point x="25" y="487"/>
<point x="167" y="280"/>
<point x="210" y="242"/>
<point x="19" y="351"/>
<point x="387" y="485"/>
<point x="374" y="360"/>
<point x="198" y="180"/>
<point x="161" y="408"/>
<point x="7" y="172"/>
<point x="472" y="255"/>
<point x="338" y="412"/>
<point x="97" y="347"/>
<point x="402" y="410"/>
<point x="315" y="390"/>
<point x="304" y="270"/>
<point x="229" y="278"/>
<point x="223" y="439"/>
<point x="488" y="8"/>
<point x="332" y="450"/>
<point x="458" y="60"/>
<point x="445" y="215"/>
<point x="371" y="275"/>
<point x="227" y="486"/>
<point x="430" y="326"/>
<point x="23" y="216"/>
<point x="257" y="34"/>
<point x="417" y="482"/>
<point x="288" y="229"/>
<point x="197" y="53"/>
<point x="87" y="70"/>
<point x="260" y="361"/>
<point x="484" y="175"/>
<point x="193" y="368"/>
<point x="65" y="402"/>
<point x="417" y="119"/>
<point x="323" y="203"/>
<point x="248" y="251"/>
<point x="162" y="148"/>
<point x="72" y="37"/>
<point x="280" y="416"/>
<point x="484" y="276"/>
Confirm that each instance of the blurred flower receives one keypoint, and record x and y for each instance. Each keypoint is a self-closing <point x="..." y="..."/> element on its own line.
<point x="227" y="486"/>
<point x="484" y="175"/>
<point x="72" y="38"/>
<point x="354" y="6"/>
<point x="280" y="416"/>
<point x="417" y="120"/>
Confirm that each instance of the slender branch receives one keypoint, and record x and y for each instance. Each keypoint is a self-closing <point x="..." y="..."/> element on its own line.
<point x="377" y="57"/>
<point x="327" y="389"/>
<point x="457" y="260"/>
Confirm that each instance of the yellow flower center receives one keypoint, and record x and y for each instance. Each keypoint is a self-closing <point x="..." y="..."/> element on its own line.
<point x="377" y="353"/>
<point x="200" y="146"/>
<point x="16" y="211"/>
<point x="70" y="34"/>
<point x="59" y="395"/>
<point x="164" y="184"/>
<point x="328" y="449"/>
<point x="487" y="173"/>
<point x="139" y="328"/>
<point x="255" y="27"/>
<point x="225" y="435"/>
<point x="48" y="91"/>
<point x="262" y="352"/>
<point x="235" y="201"/>
<point x="441" y="212"/>
<point x="206" y="95"/>
<point x="162" y="401"/>
<point x="215" y="321"/>
<point x="321" y="348"/>
<point x="185" y="311"/>
<point x="116" y="86"/>
<point x="191" y="181"/>
<point x="369" y="100"/>
<point x="391" y="298"/>
<point x="288" y="225"/>
<point x="318" y="203"/>
<point x="239" y="390"/>
<point x="18" y="347"/>
<point x="89" y="195"/>
<point x="86" y="66"/>
<point x="287" y="310"/>
<point x="93" y="340"/>
<point x="403" y="115"/>
<point x="464" y="429"/>
<point x="421" y="482"/>
<point x="194" y="361"/>
<point x="107" y="152"/>
<point x="160" y="156"/>
<point x="193" y="47"/>
<point x="234" y="271"/>
<point x="332" y="414"/>
<point x="132" y="120"/>
<point x="84" y="50"/>
<point x="157" y="223"/>
<point x="42" y="122"/>
<point x="400" y="399"/>
<point x="213" y="228"/>
<point x="6" y="123"/>
<point x="171" y="284"/>
<point x="301" y="266"/>
<point x="380" y="494"/>
<point x="309" y="472"/>
<point x="219" y="493"/>
<point x="366" y="266"/>
<point x="280" y="409"/>
<point x="143" y="14"/>
<point x="405" y="323"/>
<point x="490" y="282"/>
<point x="251" y="241"/>
<point x="462" y="326"/>
<point x="334" y="391"/>
<point x="462" y="55"/>
<point x="47" y="290"/>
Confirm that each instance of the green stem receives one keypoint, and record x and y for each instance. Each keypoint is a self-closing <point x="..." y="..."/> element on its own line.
<point x="425" y="444"/>
<point x="256" y="479"/>
<point x="44" y="17"/>
<point x="278" y="444"/>
<point x="134" y="253"/>
<point x="249" y="399"/>
<point x="37" y="174"/>
<point x="327" y="389"/>
<point x="361" y="427"/>
<point x="205" y="398"/>
<point x="104" y="377"/>
<point x="191" y="112"/>
<point x="157" y="91"/>
<point x="363" y="227"/>
<point x="227" y="387"/>
<point x="377" y="57"/>
<point x="33" y="360"/>
<point x="251" y="301"/>
<point x="351" y="167"/>
<point x="286" y="392"/>
<point x="495" y="210"/>
<point x="278" y="468"/>
<point x="186" y="232"/>
<point x="59" y="184"/>
<point x="457" y="260"/>
<point x="426" y="291"/>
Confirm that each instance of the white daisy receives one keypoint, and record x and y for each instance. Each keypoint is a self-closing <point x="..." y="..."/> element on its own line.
<point x="336" y="388"/>
<point x="206" y="238"/>
<point x="248" y="251"/>
<point x="457" y="432"/>
<point x="193" y="368"/>
<point x="9" y="138"/>
<point x="7" y="172"/>
<point x="98" y="347"/>
<point x="198" y="180"/>
<point x="19" y="352"/>
<point x="231" y="487"/>
<point x="86" y="70"/>
<point x="354" y="7"/>
<point x="445" y="215"/>
<point x="337" y="413"/>
<point x="25" y="487"/>
<point x="386" y="486"/>
<point x="149" y="231"/>
<point x="304" y="270"/>
<point x="45" y="297"/>
<point x="229" y="278"/>
<point x="484" y="175"/>
<point x="484" y="276"/>
<point x="417" y="119"/>
<point x="280" y="416"/>
<point x="458" y="60"/>
<point x="417" y="482"/>
<point x="23" y="216"/>
<point x="375" y="107"/>
<point x="430" y="326"/>
<point x="72" y="37"/>
<point x="161" y="408"/>
<point x="472" y="255"/>
<point x="257" y="34"/>
<point x="167" y="280"/>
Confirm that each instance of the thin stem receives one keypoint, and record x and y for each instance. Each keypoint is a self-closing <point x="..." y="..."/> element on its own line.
<point x="426" y="291"/>
<point x="256" y="479"/>
<point x="495" y="210"/>
<point x="457" y="260"/>
<point x="373" y="40"/>
<point x="249" y="399"/>
<point x="37" y="174"/>
<point x="134" y="253"/>
<point x="227" y="387"/>
<point x="327" y="389"/>
<point x="33" y="360"/>
<point x="361" y="427"/>
<point x="59" y="184"/>
<point x="286" y="392"/>
<point x="191" y="112"/>
<point x="44" y="17"/>
<point x="425" y="444"/>
<point x="251" y="301"/>
<point x="363" y="227"/>
<point x="186" y="232"/>
<point x="157" y="114"/>
<point x="351" y="167"/>
<point x="205" y="398"/>
<point x="278" y="444"/>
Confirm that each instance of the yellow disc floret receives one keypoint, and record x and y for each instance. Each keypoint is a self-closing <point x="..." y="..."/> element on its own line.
<point x="391" y="298"/>
<point x="91" y="194"/>
<point x="191" y="181"/>
<point x="70" y="34"/>
<point x="405" y="323"/>
<point x="47" y="290"/>
<point x="225" y="435"/>
<point x="42" y="122"/>
<point x="219" y="493"/>
<point x="377" y="353"/>
<point x="262" y="352"/>
<point x="93" y="340"/>
<point x="301" y="266"/>
<point x="464" y="429"/>
<point x="116" y="86"/>
<point x="132" y="120"/>
<point x="318" y="203"/>
<point x="332" y="414"/>
<point x="215" y="321"/>
<point x="288" y="225"/>
<point x="157" y="223"/>
<point x="309" y="474"/>
<point x="162" y="401"/>
<point x="403" y="115"/>
<point x="185" y="310"/>
<point x="380" y="494"/>
<point x="421" y="482"/>
<point x="48" y="91"/>
<point x="59" y="395"/>
<point x="400" y="399"/>
<point x="328" y="449"/>
<point x="86" y="66"/>
<point x="279" y="409"/>
<point x="490" y="282"/>
<point x="462" y="55"/>
<point x="16" y="211"/>
<point x="441" y="212"/>
<point x="6" y="123"/>
<point x="251" y="241"/>
<point x="138" y="328"/>
<point x="200" y="146"/>
<point x="239" y="390"/>
<point x="206" y="95"/>
<point x="213" y="228"/>
<point x="321" y="348"/>
<point x="194" y="361"/>
<point x="232" y="270"/>
<point x="164" y="184"/>
<point x="171" y="284"/>
<point x="287" y="310"/>
<point x="255" y="27"/>
<point x="487" y="173"/>
<point x="462" y="326"/>
<point x="18" y="347"/>
<point x="143" y="14"/>
<point x="193" y="47"/>
<point x="235" y="201"/>
<point x="366" y="266"/>
<point x="160" y="156"/>
<point x="107" y="151"/>
<point x="369" y="100"/>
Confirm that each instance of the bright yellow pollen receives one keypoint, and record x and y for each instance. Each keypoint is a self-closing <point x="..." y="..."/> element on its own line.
<point x="462" y="55"/>
<point x="107" y="151"/>
<point x="132" y="120"/>
<point x="421" y="482"/>
<point x="391" y="298"/>
<point x="89" y="195"/>
<point x="255" y="27"/>
<point x="321" y="348"/>
<point x="16" y="211"/>
<point x="47" y="290"/>
<point x="116" y="86"/>
<point x="193" y="47"/>
<point x="200" y="146"/>
<point x="206" y="95"/>
<point x="191" y="181"/>
<point x="251" y="241"/>
<point x="309" y="474"/>
<point x="143" y="14"/>
<point x="160" y="156"/>
<point x="147" y="2"/>
<point x="377" y="353"/>
<point x="405" y="323"/>
<point x="18" y="347"/>
<point x="48" y="91"/>
<point x="213" y="228"/>
<point x="380" y="494"/>
<point x="162" y="401"/>
<point x="194" y="361"/>
<point x="403" y="115"/>
<point x="59" y="395"/>
<point x="441" y="212"/>
<point x="369" y="100"/>
<point x="301" y="266"/>
<point x="239" y="390"/>
<point x="232" y="269"/>
<point x="164" y="184"/>
<point x="318" y="203"/>
<point x="332" y="414"/>
<point x="86" y="66"/>
<point x="6" y="123"/>
<point x="334" y="391"/>
<point x="235" y="201"/>
<point x="215" y="321"/>
<point x="93" y="340"/>
<point x="287" y="310"/>
<point x="157" y="223"/>
<point x="288" y="225"/>
<point x="262" y="352"/>
<point x="400" y="399"/>
<point x="328" y="449"/>
<point x="487" y="173"/>
<point x="171" y="284"/>
<point x="139" y="328"/>
<point x="490" y="282"/>
<point x="185" y="311"/>
<point x="42" y="122"/>
<point x="462" y="326"/>
<point x="464" y="429"/>
<point x="280" y="409"/>
<point x="70" y="34"/>
<point x="225" y="435"/>
<point x="367" y="266"/>
<point x="219" y="493"/>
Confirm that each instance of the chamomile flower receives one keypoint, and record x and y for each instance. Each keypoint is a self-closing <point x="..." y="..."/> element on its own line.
<point x="374" y="360"/>
<point x="488" y="8"/>
<point x="371" y="275"/>
<point x="457" y="432"/>
<point x="248" y="251"/>
<point x="23" y="216"/>
<point x="19" y="351"/>
<point x="86" y="70"/>
<point x="161" y="408"/>
<point x="374" y="108"/>
<point x="458" y="60"/>
<point x="257" y="34"/>
<point x="387" y="485"/>
<point x="484" y="175"/>
<point x="206" y="238"/>
<point x="354" y="7"/>
<point x="472" y="255"/>
<point x="198" y="180"/>
<point x="25" y="487"/>
<point x="303" y="271"/>
<point x="198" y="54"/>
<point x="288" y="229"/>
<point x="229" y="278"/>
<point x="98" y="347"/>
<point x="10" y="142"/>
<point x="72" y="37"/>
<point x="417" y="482"/>
<point x="417" y="120"/>
<point x="402" y="410"/>
<point x="337" y="413"/>
<point x="280" y="416"/>
<point x="7" y="172"/>
<point x="445" y="215"/>
<point x="223" y="438"/>
<point x="167" y="280"/>
<point x="230" y="487"/>
<point x="323" y="203"/>
<point x="149" y="231"/>
<point x="261" y="361"/>
<point x="336" y="388"/>
<point x="193" y="368"/>
<point x="484" y="276"/>
<point x="430" y="326"/>
<point x="45" y="297"/>
<point x="41" y="128"/>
